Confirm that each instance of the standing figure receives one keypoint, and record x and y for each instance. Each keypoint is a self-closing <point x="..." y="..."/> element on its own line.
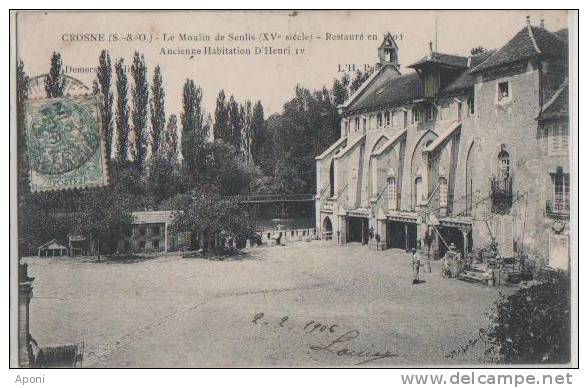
<point x="416" y="266"/>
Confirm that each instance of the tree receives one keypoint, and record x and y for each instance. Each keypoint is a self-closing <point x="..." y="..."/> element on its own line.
<point x="258" y="133"/>
<point x="246" y="119"/>
<point x="205" y="211"/>
<point x="193" y="137"/>
<point x="478" y="50"/>
<point x="358" y="79"/>
<point x="235" y="124"/>
<point x="140" y="97"/>
<point x="122" y="111"/>
<point x="105" y="218"/>
<point x="221" y="118"/>
<point x="157" y="111"/>
<point x="104" y="75"/>
<point x="55" y="80"/>
<point x="170" y="140"/>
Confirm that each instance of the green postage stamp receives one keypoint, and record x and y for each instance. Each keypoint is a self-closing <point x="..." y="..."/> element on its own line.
<point x="64" y="143"/>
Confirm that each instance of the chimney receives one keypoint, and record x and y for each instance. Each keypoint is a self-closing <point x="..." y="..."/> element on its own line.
<point x="542" y="23"/>
<point x="528" y="20"/>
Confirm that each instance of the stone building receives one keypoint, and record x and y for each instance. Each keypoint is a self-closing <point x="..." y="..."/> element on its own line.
<point x="152" y="233"/>
<point x="465" y="149"/>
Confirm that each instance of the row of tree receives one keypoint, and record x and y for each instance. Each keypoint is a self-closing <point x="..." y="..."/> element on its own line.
<point x="153" y="159"/>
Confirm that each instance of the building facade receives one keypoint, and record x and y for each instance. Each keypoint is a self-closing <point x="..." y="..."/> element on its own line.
<point x="463" y="150"/>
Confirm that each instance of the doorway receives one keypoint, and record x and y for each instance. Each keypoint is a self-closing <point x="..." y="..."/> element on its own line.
<point x="358" y="230"/>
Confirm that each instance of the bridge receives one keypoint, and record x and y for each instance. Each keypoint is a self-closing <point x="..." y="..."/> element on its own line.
<point x="272" y="198"/>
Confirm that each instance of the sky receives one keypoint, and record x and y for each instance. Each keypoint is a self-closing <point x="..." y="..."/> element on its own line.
<point x="268" y="78"/>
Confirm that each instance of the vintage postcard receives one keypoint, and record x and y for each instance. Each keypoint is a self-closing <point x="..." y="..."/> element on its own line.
<point x="293" y="189"/>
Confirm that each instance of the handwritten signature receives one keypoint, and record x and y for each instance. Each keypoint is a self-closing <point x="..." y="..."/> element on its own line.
<point x="341" y="346"/>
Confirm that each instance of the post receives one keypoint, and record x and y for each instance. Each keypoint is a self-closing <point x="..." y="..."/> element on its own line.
<point x="406" y="236"/>
<point x="25" y="294"/>
<point x="464" y="233"/>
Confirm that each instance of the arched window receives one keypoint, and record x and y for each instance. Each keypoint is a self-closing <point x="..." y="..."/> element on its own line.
<point x="387" y="118"/>
<point x="391" y="193"/>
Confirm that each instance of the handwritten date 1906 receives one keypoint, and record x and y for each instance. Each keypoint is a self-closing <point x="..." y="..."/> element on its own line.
<point x="340" y="346"/>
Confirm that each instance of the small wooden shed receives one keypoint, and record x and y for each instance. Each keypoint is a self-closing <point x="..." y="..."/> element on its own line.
<point x="51" y="249"/>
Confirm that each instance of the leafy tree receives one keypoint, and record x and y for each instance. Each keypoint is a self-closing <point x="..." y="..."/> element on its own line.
<point x="162" y="180"/>
<point x="246" y="119"/>
<point x="207" y="212"/>
<point x="221" y="127"/>
<point x="258" y="133"/>
<point x="55" y="80"/>
<point x="235" y="124"/>
<point x="170" y="140"/>
<point x="478" y="50"/>
<point x="157" y="110"/>
<point x="193" y="137"/>
<point x="122" y="111"/>
<point x="104" y="75"/>
<point x="105" y="218"/>
<point x="359" y="78"/>
<point x="140" y="97"/>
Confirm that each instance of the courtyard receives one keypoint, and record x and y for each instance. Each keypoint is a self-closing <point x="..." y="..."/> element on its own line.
<point x="312" y="304"/>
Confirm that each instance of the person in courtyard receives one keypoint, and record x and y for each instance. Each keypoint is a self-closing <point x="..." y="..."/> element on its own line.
<point x="416" y="264"/>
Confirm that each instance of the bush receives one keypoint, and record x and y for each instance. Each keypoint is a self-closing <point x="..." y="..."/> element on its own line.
<point x="531" y="326"/>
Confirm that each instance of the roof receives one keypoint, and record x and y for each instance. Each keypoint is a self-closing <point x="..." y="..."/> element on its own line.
<point x="562" y="34"/>
<point x="442" y="137"/>
<point x="389" y="143"/>
<point x="332" y="148"/>
<point x="558" y="106"/>
<point x="389" y="89"/>
<point x="350" y="146"/>
<point x="442" y="59"/>
<point x="467" y="79"/>
<point x="53" y="244"/>
<point x="528" y="42"/>
<point x="152" y="217"/>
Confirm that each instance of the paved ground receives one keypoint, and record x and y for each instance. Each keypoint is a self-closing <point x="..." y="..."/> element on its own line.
<point x="307" y="304"/>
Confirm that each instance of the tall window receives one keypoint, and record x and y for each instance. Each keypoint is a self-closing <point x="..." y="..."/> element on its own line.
<point x="364" y="124"/>
<point x="418" y="190"/>
<point x="416" y="115"/>
<point x="558" y="139"/>
<point x="388" y="118"/>
<point x="561" y="192"/>
<point x="391" y="193"/>
<point x="442" y="192"/>
<point x="503" y="91"/>
<point x="471" y="106"/>
<point x="380" y="120"/>
<point x="504" y="165"/>
<point x="429" y="113"/>
<point x="356" y="124"/>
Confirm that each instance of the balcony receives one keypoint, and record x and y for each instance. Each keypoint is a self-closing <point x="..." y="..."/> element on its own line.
<point x="501" y="194"/>
<point x="560" y="208"/>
